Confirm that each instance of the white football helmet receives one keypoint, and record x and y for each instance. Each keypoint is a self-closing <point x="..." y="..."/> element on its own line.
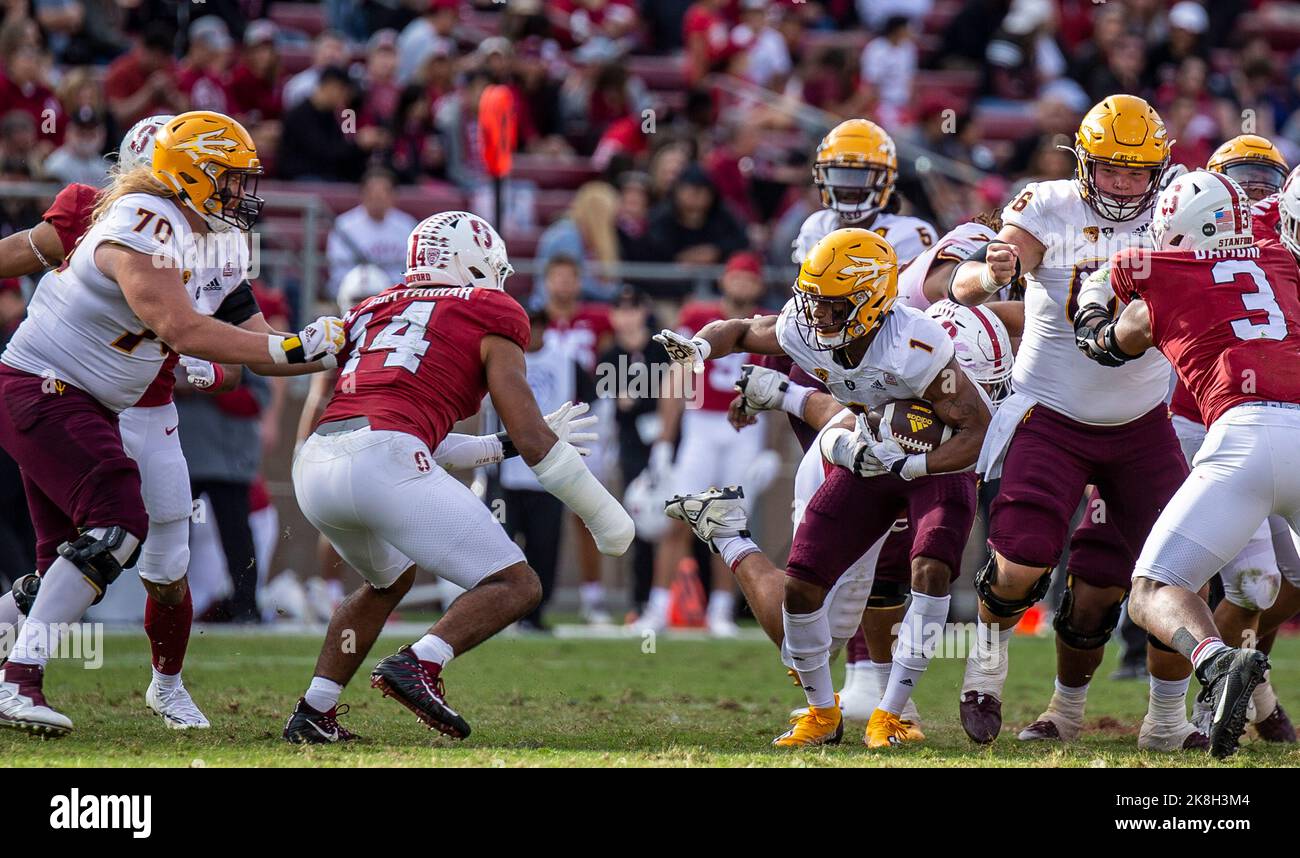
<point x="364" y="281"/>
<point x="1202" y="211"/>
<point x="456" y="249"/>
<point x="1288" y="207"/>
<point x="137" y="146"/>
<point x="982" y="345"/>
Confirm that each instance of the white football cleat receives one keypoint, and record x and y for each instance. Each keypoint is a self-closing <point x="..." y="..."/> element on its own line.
<point x="722" y="626"/>
<point x="711" y="513"/>
<point x="860" y="696"/>
<point x="22" y="702"/>
<point x="176" y="707"/>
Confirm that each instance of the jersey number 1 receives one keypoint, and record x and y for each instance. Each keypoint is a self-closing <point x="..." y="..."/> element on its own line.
<point x="1261" y="300"/>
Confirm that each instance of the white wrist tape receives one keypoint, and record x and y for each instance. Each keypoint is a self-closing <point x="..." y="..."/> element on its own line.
<point x="703" y="347"/>
<point x="914" y="466"/>
<point x="275" y="345"/>
<point x="462" y="452"/>
<point x="796" y="397"/>
<point x="563" y="474"/>
<point x="987" y="283"/>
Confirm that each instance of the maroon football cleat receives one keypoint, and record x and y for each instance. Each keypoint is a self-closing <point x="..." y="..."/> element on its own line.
<point x="1276" y="727"/>
<point x="412" y="683"/>
<point x="1044" y="730"/>
<point x="981" y="716"/>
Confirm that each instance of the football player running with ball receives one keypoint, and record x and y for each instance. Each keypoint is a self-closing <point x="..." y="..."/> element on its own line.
<point x="1071" y="424"/>
<point x="843" y="326"/>
<point x="1225" y="312"/>
<point x="421" y="356"/>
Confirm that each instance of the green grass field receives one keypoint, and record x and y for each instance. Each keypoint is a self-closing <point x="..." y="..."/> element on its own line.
<point x="558" y="702"/>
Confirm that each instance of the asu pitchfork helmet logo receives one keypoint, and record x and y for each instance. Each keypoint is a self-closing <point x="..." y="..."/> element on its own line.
<point x="846" y="286"/>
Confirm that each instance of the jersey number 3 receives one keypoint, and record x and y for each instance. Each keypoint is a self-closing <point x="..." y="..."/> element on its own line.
<point x="1259" y="301"/>
<point x="403" y="338"/>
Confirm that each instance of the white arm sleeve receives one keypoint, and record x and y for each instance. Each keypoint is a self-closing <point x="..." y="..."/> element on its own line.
<point x="462" y="452"/>
<point x="563" y="474"/>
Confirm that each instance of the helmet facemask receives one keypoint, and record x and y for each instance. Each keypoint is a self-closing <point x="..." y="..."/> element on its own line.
<point x="845" y="318"/>
<point x="235" y="203"/>
<point x="1258" y="178"/>
<point x="857" y="193"/>
<point x="1110" y="206"/>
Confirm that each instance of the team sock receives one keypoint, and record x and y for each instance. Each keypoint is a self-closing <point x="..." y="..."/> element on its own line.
<point x="168" y="630"/>
<point x="592" y="595"/>
<point x="1168" y="701"/>
<point x="924" y="615"/>
<point x="323" y="694"/>
<point x="722" y="604"/>
<point x="660" y="597"/>
<point x="1207" y="650"/>
<point x="808" y="640"/>
<point x="734" y="549"/>
<point x="986" y="666"/>
<point x="433" y="649"/>
<point x="64" y="597"/>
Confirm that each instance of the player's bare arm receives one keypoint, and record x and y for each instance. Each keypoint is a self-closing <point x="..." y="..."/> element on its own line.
<point x="513" y="399"/>
<point x="156" y="295"/>
<point x="30" y="251"/>
<point x="958" y="404"/>
<point x="722" y="338"/>
<point x="1013" y="252"/>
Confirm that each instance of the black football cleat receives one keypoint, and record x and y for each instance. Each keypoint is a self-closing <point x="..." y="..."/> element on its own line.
<point x="1229" y="679"/>
<point x="981" y="716"/>
<point x="307" y="726"/>
<point x="404" y="677"/>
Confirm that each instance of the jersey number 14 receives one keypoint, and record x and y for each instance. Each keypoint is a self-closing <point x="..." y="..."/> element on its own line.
<point x="403" y="338"/>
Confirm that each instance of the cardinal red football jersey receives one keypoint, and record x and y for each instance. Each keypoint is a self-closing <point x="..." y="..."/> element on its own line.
<point x="412" y="362"/>
<point x="1229" y="321"/>
<point x="70" y="213"/>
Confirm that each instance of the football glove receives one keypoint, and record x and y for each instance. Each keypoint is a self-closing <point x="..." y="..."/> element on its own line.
<point x="689" y="353"/>
<point x="761" y="389"/>
<point x="202" y="374"/>
<point x="569" y="425"/>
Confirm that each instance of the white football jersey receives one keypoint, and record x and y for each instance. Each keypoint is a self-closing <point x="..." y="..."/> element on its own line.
<point x="909" y="236"/>
<point x="956" y="245"/>
<point x="902" y="361"/>
<point x="1049" y="366"/>
<point x="79" y="327"/>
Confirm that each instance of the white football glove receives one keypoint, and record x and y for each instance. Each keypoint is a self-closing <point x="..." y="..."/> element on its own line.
<point x="325" y="336"/>
<point x="568" y="424"/>
<point x="689" y="353"/>
<point x="893" y="458"/>
<point x="199" y="372"/>
<point x="761" y="389"/>
<point x="851" y="448"/>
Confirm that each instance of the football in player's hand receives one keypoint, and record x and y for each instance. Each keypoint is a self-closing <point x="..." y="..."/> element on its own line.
<point x="915" y="425"/>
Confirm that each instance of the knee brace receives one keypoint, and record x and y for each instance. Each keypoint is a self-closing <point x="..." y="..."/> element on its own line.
<point x="1077" y="638"/>
<point x="987" y="576"/>
<point x="25" y="590"/>
<point x="887" y="594"/>
<point x="165" y="555"/>
<point x="100" y="554"/>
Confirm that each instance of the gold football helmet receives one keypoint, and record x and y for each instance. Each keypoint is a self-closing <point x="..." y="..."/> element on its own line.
<point x="846" y="285"/>
<point x="855" y="170"/>
<point x="211" y="164"/>
<point x="1253" y="162"/>
<point x="1125" y="132"/>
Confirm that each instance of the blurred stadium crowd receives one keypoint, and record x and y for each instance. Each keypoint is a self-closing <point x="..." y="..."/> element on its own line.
<point x="659" y="140"/>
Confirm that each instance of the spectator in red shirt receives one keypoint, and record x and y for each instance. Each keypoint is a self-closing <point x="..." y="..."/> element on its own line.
<point x="256" y="84"/>
<point x="730" y="166"/>
<point x="143" y="82"/>
<point x="22" y="88"/>
<point x="707" y="34"/>
<point x="575" y="21"/>
<point x="205" y="70"/>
